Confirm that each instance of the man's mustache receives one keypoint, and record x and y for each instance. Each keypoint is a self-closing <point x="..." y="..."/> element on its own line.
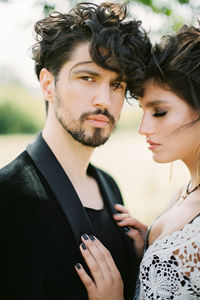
<point x="104" y="112"/>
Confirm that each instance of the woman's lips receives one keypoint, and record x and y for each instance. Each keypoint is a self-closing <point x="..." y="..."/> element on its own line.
<point x="98" y="121"/>
<point x="152" y="145"/>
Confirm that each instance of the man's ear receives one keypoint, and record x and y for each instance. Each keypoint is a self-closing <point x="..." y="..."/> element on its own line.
<point x="47" y="85"/>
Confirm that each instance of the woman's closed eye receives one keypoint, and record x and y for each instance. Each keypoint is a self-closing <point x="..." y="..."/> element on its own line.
<point x="160" y="114"/>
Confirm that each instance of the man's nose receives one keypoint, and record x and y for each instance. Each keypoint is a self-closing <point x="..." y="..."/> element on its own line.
<point x="145" y="126"/>
<point x="102" y="98"/>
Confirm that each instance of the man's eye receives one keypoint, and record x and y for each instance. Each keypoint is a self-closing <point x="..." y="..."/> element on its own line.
<point x="87" y="78"/>
<point x="116" y="85"/>
<point x="160" y="114"/>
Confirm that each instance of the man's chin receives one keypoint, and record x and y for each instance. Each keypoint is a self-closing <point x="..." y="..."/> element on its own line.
<point x="93" y="143"/>
<point x="94" y="139"/>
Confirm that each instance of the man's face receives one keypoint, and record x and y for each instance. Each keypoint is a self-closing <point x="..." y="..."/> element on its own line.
<point x="87" y="98"/>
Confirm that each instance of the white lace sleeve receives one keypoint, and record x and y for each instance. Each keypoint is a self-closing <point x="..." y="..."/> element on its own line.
<point x="170" y="268"/>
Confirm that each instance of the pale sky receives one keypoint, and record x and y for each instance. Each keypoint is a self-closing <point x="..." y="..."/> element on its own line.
<point x="16" y="32"/>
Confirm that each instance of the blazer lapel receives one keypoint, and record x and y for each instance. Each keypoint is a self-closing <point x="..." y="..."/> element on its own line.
<point x="61" y="187"/>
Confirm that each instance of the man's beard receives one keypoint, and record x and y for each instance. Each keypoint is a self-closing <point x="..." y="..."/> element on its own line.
<point x="94" y="140"/>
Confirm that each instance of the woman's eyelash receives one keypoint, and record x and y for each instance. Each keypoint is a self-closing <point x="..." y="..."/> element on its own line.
<point x="160" y="114"/>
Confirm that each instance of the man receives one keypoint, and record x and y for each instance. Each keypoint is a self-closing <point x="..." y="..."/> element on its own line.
<point x="50" y="195"/>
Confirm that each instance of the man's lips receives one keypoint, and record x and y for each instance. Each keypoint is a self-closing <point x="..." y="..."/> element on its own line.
<point x="98" y="120"/>
<point x="152" y="145"/>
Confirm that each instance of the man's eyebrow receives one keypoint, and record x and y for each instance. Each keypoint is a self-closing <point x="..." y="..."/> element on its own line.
<point x="94" y="73"/>
<point x="117" y="78"/>
<point x="81" y="63"/>
<point x="86" y="71"/>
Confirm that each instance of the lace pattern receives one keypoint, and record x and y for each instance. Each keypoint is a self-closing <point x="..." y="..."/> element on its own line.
<point x="170" y="268"/>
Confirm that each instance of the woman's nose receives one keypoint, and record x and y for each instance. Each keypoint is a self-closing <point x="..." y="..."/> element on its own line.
<point x="145" y="127"/>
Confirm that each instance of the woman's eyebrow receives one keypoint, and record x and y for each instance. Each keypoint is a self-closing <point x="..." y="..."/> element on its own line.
<point x="155" y="102"/>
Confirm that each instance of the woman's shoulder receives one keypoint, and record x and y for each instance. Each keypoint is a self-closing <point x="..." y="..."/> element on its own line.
<point x="176" y="196"/>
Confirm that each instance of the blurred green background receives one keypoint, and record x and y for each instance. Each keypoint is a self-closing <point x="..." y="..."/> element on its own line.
<point x="144" y="184"/>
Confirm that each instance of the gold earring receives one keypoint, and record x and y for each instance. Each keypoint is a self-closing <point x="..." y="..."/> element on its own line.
<point x="170" y="171"/>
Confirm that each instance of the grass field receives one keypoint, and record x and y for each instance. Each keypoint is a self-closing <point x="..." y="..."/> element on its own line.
<point x="144" y="184"/>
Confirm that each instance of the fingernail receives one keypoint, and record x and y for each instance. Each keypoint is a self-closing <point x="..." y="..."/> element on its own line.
<point x="91" y="237"/>
<point x="78" y="266"/>
<point x="83" y="246"/>
<point x="126" y="229"/>
<point x="85" y="236"/>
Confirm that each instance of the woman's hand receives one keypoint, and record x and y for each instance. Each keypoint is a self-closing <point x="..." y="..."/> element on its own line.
<point x="133" y="228"/>
<point x="106" y="283"/>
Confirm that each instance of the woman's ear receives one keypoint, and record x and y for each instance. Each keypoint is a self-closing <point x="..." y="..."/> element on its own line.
<point x="47" y="85"/>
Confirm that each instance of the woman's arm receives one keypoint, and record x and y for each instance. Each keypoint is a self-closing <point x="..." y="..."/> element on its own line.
<point x="106" y="283"/>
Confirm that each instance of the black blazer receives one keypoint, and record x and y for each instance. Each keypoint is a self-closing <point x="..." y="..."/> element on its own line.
<point x="41" y="221"/>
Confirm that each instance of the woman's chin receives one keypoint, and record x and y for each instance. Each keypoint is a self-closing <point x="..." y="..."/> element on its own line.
<point x="160" y="160"/>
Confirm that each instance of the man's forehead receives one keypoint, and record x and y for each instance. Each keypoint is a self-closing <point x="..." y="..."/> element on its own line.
<point x="81" y="52"/>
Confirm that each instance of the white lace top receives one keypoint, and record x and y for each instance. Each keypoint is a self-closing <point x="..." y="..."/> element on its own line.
<point x="170" y="268"/>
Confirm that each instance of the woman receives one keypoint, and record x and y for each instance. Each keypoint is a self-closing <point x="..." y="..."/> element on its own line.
<point x="170" y="99"/>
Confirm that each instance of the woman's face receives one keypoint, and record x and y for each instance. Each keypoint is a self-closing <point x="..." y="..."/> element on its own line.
<point x="165" y="123"/>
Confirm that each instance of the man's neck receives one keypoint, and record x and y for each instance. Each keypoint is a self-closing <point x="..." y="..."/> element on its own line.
<point x="72" y="155"/>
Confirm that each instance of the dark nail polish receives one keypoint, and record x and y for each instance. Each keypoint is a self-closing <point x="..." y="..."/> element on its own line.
<point x="85" y="236"/>
<point x="83" y="246"/>
<point x="91" y="237"/>
<point x="126" y="229"/>
<point x="78" y="266"/>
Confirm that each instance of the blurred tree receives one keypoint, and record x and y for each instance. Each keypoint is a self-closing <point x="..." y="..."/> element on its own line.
<point x="174" y="17"/>
<point x="170" y="9"/>
<point x="157" y="6"/>
<point x="47" y="7"/>
<point x="20" y="111"/>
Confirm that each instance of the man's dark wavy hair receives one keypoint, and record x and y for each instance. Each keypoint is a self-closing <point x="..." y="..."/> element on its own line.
<point x="175" y="65"/>
<point x="104" y="27"/>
